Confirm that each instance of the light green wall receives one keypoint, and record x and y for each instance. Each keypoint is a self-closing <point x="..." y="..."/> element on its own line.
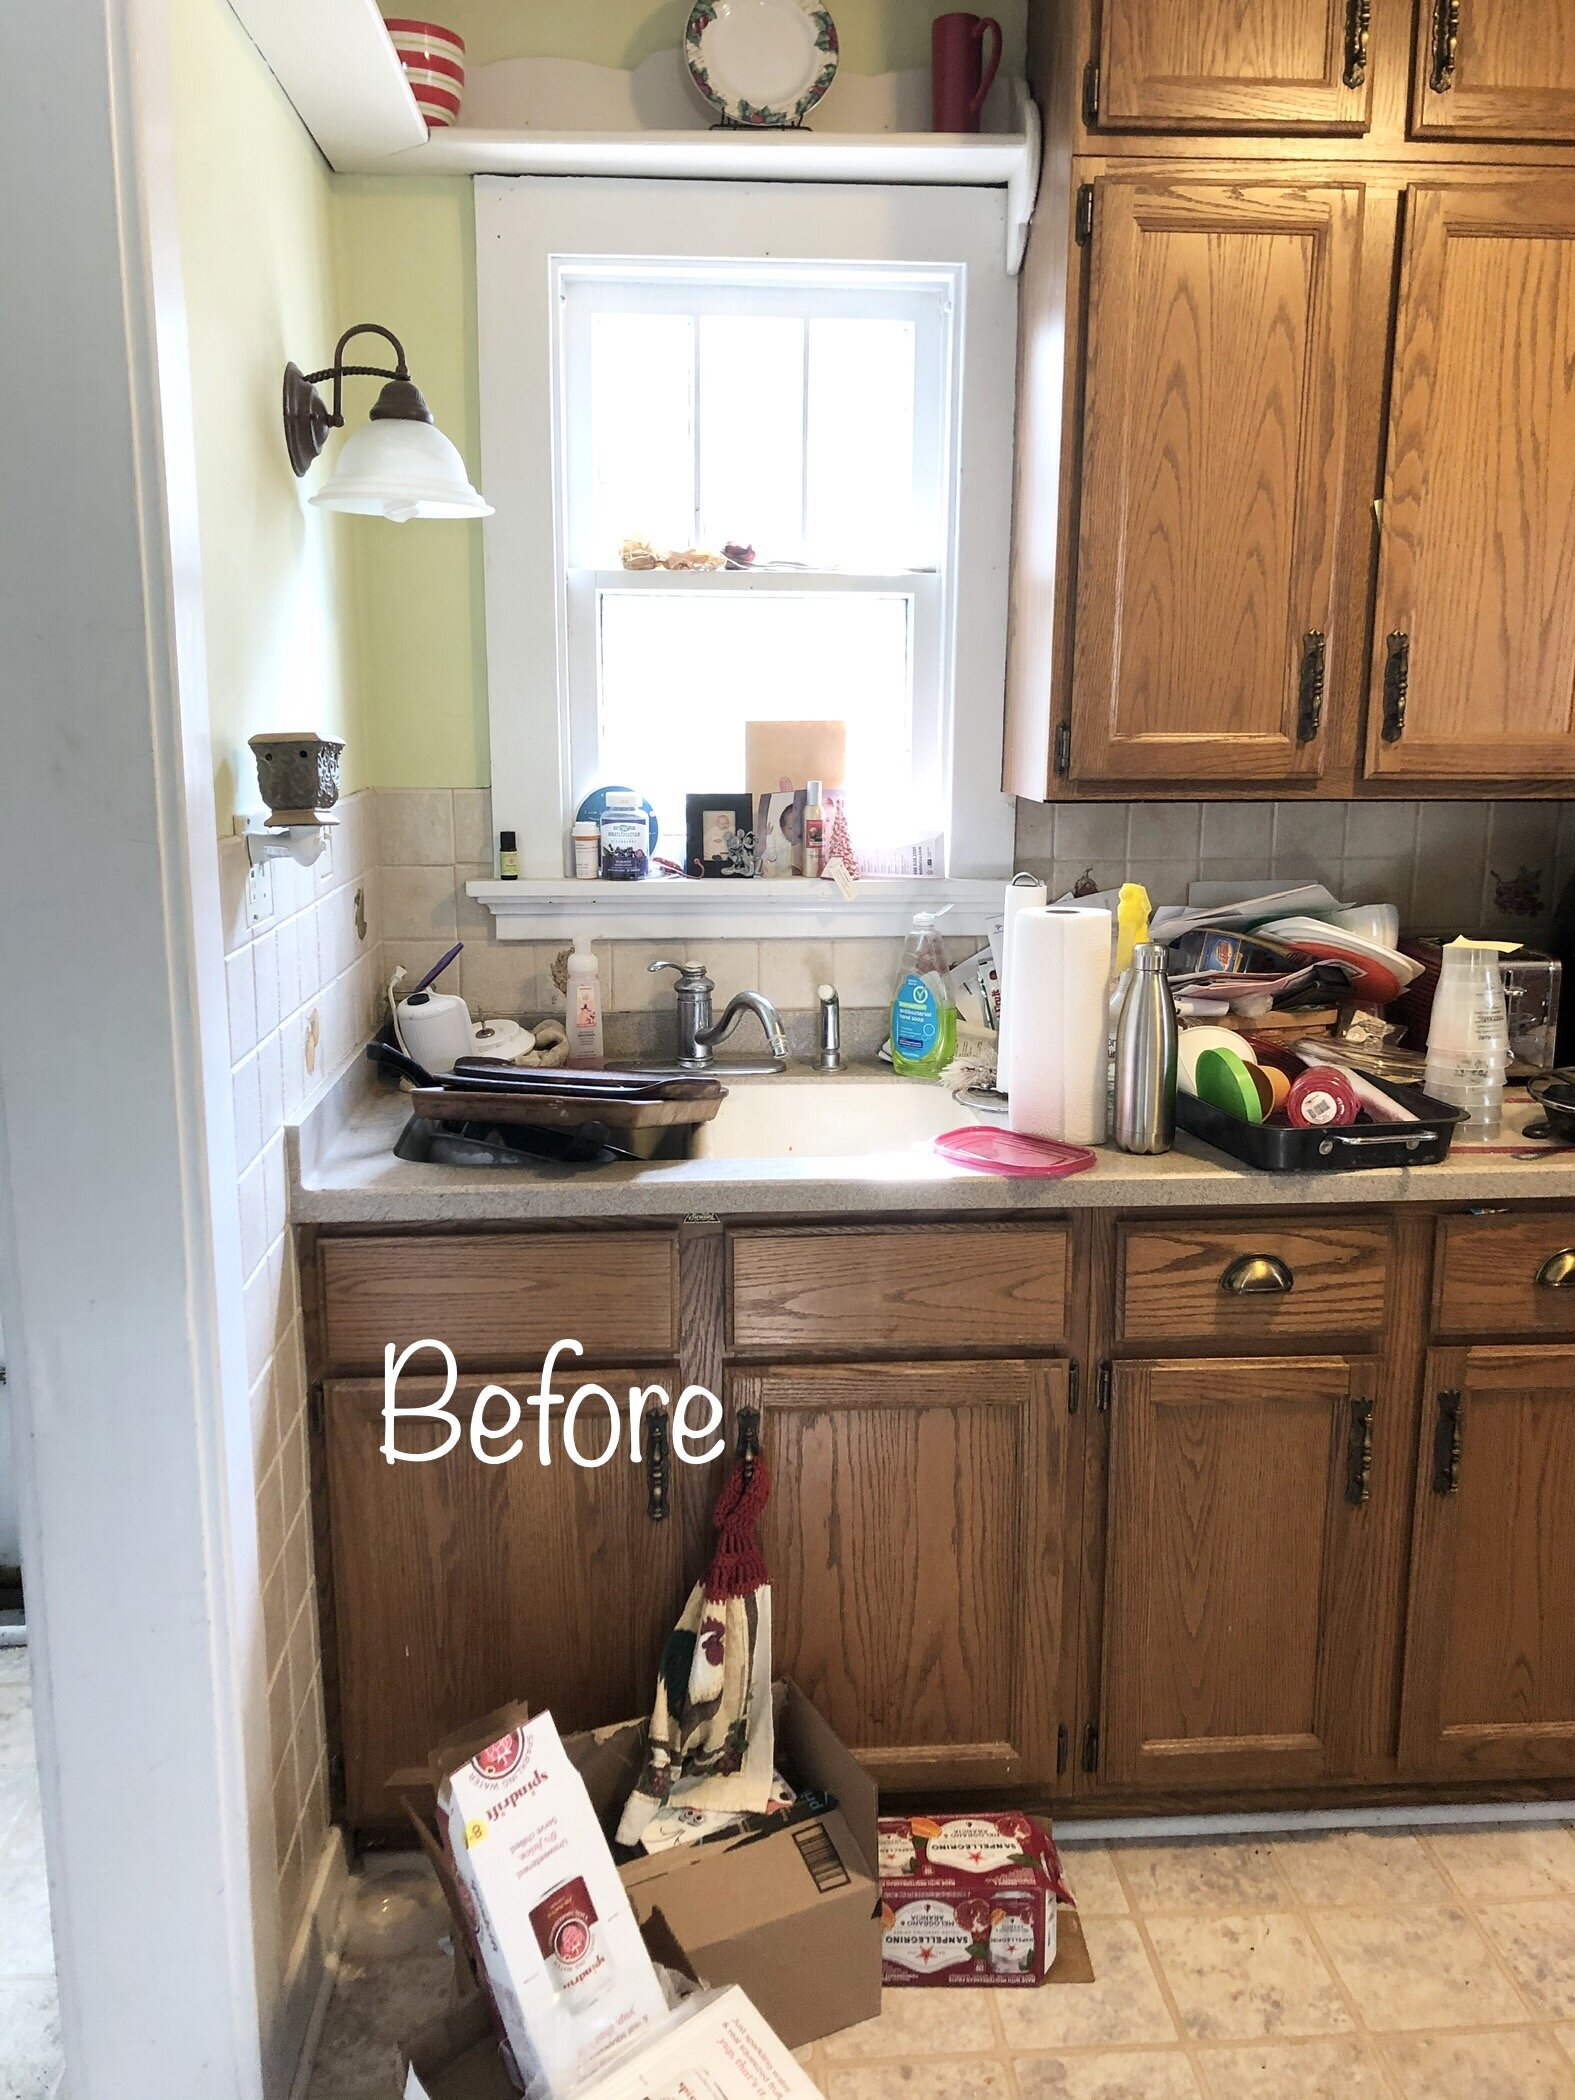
<point x="351" y="626"/>
<point x="877" y="36"/>
<point x="256" y="225"/>
<point x="407" y="258"/>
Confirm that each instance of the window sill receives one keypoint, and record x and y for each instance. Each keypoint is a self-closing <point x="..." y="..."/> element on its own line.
<point x="790" y="908"/>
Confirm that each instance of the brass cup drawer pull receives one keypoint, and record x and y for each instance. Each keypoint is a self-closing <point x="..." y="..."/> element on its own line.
<point x="1558" y="1271"/>
<point x="1258" y="1276"/>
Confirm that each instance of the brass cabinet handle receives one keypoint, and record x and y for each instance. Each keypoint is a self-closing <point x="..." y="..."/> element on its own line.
<point x="1256" y="1276"/>
<point x="1446" y="44"/>
<point x="1358" y="35"/>
<point x="1314" y="665"/>
<point x="1446" y="1445"/>
<point x="1558" y="1271"/>
<point x="658" y="1467"/>
<point x="1359" y="1454"/>
<point x="1397" y="685"/>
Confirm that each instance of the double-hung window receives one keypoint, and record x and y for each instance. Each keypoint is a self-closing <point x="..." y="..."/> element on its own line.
<point x="821" y="377"/>
<point x="800" y="414"/>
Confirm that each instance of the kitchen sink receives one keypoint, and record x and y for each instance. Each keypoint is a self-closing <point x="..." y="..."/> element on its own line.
<point x="827" y="1118"/>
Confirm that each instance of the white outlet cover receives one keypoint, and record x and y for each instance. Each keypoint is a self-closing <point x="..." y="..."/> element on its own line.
<point x="259" y="892"/>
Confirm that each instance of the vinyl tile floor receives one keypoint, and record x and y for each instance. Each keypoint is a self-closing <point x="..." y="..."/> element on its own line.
<point x="30" y="2065"/>
<point x="1340" y="1965"/>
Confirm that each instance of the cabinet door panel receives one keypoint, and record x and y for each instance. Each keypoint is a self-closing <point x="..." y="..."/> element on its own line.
<point x="1233" y="65"/>
<point x="1214" y="443"/>
<point x="914" y="1547"/>
<point x="1236" y="1572"/>
<point x="1490" y="1662"/>
<point x="459" y="1585"/>
<point x="1495" y="69"/>
<point x="1477" y="549"/>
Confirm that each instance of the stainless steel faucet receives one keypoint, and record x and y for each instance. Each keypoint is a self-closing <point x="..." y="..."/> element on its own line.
<point x="698" y="1033"/>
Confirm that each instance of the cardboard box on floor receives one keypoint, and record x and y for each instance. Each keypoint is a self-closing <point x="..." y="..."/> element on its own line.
<point x="793" y="1918"/>
<point x="456" y="2056"/>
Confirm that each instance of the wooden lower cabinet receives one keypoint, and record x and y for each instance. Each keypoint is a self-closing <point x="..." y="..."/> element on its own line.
<point x="460" y="1585"/>
<point x="1350" y="1563"/>
<point x="915" y="1542"/>
<point x="1490" y="1673"/>
<point x="1238" y="1572"/>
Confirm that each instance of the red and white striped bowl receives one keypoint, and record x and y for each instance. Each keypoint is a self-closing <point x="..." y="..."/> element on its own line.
<point x="434" y="61"/>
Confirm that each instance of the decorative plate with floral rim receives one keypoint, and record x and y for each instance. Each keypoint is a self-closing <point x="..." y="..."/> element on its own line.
<point x="761" y="64"/>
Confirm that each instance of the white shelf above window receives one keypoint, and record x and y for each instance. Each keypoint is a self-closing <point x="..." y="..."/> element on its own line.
<point x="791" y="908"/>
<point x="336" y="63"/>
<point x="1006" y="160"/>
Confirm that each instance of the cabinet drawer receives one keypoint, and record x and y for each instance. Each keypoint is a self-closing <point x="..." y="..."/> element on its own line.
<point x="916" y="1287"/>
<point x="1247" y="1282"/>
<point x="501" y="1298"/>
<point x="1505" y="1276"/>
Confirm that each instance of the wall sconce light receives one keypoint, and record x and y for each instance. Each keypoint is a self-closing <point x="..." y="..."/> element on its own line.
<point x="400" y="466"/>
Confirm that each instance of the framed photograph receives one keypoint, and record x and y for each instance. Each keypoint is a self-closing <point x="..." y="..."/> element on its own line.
<point x="721" y="835"/>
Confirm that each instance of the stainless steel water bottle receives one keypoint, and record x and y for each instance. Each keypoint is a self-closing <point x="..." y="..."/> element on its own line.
<point x="1146" y="1056"/>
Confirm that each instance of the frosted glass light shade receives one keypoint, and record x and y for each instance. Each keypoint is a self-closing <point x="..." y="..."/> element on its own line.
<point x="399" y="469"/>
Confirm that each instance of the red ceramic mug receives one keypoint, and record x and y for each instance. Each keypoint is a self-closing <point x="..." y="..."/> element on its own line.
<point x="960" y="79"/>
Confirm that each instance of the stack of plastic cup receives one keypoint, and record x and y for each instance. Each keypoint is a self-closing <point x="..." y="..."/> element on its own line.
<point x="1468" y="1040"/>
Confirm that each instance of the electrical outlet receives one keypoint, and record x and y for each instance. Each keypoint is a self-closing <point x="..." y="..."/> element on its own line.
<point x="259" y="892"/>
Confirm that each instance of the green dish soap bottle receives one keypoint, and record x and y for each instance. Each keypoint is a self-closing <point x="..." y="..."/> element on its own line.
<point x="923" y="1019"/>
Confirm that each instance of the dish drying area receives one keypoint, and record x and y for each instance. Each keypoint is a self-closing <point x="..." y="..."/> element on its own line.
<point x="1271" y="1030"/>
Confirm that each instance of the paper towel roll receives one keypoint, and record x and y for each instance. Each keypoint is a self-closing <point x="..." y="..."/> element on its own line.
<point x="1020" y="897"/>
<point x="1059" y="969"/>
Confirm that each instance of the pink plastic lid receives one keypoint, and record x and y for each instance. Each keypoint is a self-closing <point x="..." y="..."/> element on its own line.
<point x="1008" y="1152"/>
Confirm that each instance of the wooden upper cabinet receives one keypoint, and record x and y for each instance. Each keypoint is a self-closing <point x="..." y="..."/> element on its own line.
<point x="1219" y="340"/>
<point x="915" y="1543"/>
<point x="1234" y="65"/>
<point x="1490" y="1652"/>
<point x="1240" y="1633"/>
<point x="1495" y="69"/>
<point x="1473" y="674"/>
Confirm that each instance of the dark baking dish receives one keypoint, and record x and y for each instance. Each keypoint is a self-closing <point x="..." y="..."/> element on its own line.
<point x="1279" y="1148"/>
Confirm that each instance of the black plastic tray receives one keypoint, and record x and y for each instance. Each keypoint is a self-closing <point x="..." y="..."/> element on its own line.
<point x="1279" y="1148"/>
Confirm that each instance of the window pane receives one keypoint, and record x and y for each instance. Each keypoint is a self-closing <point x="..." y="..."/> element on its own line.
<point x="683" y="671"/>
<point x="752" y="434"/>
<point x="861" y="511"/>
<point x="641" y="434"/>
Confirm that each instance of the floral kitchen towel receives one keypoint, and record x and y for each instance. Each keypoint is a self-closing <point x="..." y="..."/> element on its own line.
<point x="712" y="1740"/>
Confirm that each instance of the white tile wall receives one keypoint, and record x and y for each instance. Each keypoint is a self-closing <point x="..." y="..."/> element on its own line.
<point x="317" y="959"/>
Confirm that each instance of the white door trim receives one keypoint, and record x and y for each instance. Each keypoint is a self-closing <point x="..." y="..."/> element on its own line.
<point x="119" y="1259"/>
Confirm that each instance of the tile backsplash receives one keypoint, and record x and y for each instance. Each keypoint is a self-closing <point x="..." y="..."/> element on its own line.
<point x="1495" y="867"/>
<point x="432" y="841"/>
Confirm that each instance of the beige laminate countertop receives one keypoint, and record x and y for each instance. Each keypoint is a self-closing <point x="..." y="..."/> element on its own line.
<point x="343" y="1172"/>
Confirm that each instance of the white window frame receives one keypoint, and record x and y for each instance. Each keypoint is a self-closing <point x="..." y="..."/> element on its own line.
<point x="529" y="230"/>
